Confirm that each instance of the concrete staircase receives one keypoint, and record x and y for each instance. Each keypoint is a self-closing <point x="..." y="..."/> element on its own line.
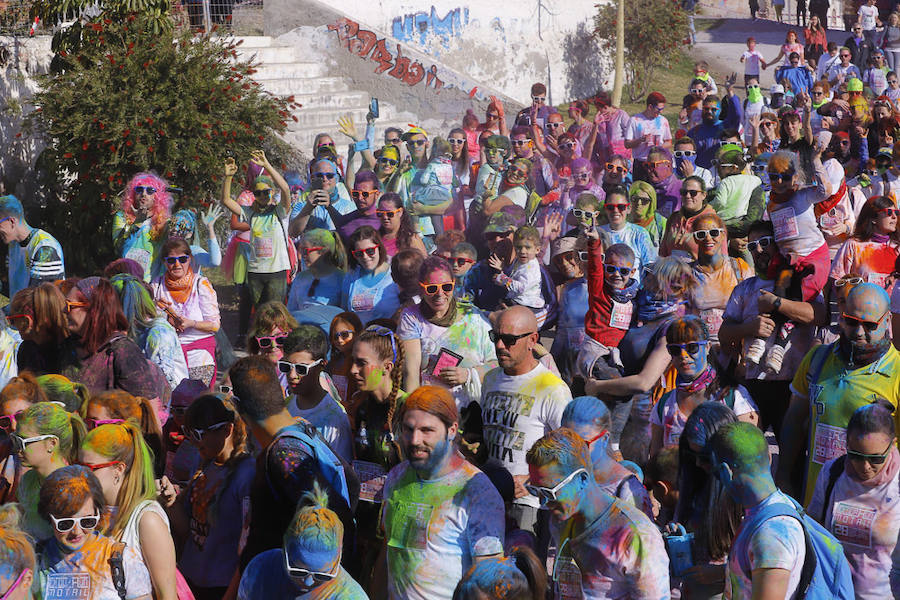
<point x="282" y="73"/>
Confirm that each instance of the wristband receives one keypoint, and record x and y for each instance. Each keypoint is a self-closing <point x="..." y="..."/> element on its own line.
<point x="361" y="145"/>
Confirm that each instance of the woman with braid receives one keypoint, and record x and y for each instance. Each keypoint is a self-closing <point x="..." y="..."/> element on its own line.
<point x="47" y="438"/>
<point x="122" y="462"/>
<point x="376" y="368"/>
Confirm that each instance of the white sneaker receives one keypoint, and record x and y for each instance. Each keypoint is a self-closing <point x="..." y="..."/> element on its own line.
<point x="755" y="351"/>
<point x="775" y="358"/>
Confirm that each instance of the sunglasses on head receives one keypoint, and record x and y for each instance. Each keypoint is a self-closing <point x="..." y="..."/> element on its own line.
<point x="364" y="194"/>
<point x="269" y="341"/>
<point x="13" y="318"/>
<point x="612" y="168"/>
<point x="171" y="260"/>
<point x="779" y="177"/>
<point x="311" y="249"/>
<point x="547" y="495"/>
<point x="324" y="175"/>
<point x="508" y="339"/>
<point x="461" y="261"/>
<point x="304" y="574"/>
<point x="432" y="288"/>
<point x="615" y="207"/>
<point x="196" y="434"/>
<point x="760" y="244"/>
<point x="701" y="234"/>
<point x="848" y="281"/>
<point x="580" y="213"/>
<point x="684" y="153"/>
<point x="66" y="524"/>
<point x="613" y="269"/>
<point x="370" y="252"/>
<point x="144" y="189"/>
<point x="692" y="348"/>
<point x="301" y="369"/>
<point x="389" y="161"/>
<point x="867" y="325"/>
<point x="95" y="423"/>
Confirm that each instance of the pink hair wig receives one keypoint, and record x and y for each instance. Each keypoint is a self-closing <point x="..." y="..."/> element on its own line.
<point x="162" y="204"/>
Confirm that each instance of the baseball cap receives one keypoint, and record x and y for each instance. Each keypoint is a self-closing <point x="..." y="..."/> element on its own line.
<point x="854" y="85"/>
<point x="414" y="130"/>
<point x="500" y="223"/>
<point x="498" y="141"/>
<point x="776" y="88"/>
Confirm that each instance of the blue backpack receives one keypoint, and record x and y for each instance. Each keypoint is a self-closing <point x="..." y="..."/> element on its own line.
<point x="826" y="572"/>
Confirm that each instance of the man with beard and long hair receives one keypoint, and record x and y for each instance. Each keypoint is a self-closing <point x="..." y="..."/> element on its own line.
<point x="440" y="513"/>
<point x="836" y="379"/>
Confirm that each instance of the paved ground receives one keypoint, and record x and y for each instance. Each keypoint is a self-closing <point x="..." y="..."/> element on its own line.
<point x="723" y="45"/>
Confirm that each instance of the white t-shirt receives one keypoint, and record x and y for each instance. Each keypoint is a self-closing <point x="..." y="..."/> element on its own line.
<point x="868" y="17"/>
<point x="778" y="543"/>
<point x="796" y="227"/>
<point x="640" y="125"/>
<point x="518" y="410"/>
<point x="673" y="420"/>
<point x="523" y="284"/>
<point x="751" y="62"/>
<point x="330" y="420"/>
<point x="268" y="248"/>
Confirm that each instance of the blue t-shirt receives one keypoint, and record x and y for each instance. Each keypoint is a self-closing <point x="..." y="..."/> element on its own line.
<point x="319" y="218"/>
<point x="309" y="289"/>
<point x="217" y="517"/>
<point x="371" y="295"/>
<point x="265" y="577"/>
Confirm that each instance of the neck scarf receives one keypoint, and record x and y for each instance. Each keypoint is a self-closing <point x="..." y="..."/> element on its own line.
<point x="885" y="475"/>
<point x="754" y="95"/>
<point x="823" y="207"/>
<point x="180" y="289"/>
<point x="881" y="238"/>
<point x="701" y="382"/>
<point x="627" y="293"/>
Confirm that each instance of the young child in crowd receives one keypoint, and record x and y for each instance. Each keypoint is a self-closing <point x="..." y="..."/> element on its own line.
<point x="462" y="258"/>
<point x="523" y="283"/>
<point x="447" y="241"/>
<point x="437" y="180"/>
<point x="752" y="60"/>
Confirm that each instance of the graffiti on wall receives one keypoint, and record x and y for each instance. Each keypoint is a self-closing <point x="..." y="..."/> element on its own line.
<point x="420" y="27"/>
<point x="366" y="45"/>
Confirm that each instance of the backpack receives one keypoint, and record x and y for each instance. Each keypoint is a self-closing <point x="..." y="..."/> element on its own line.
<point x="825" y="572"/>
<point x="333" y="469"/>
<point x="117" y="569"/>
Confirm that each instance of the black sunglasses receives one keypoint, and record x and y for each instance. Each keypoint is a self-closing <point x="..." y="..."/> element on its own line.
<point x="321" y="175"/>
<point x="692" y="348"/>
<point x="171" y="260"/>
<point x="509" y="340"/>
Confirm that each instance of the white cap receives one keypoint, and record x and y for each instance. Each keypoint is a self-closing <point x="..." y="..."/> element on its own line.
<point x="835" y="173"/>
<point x="776" y="88"/>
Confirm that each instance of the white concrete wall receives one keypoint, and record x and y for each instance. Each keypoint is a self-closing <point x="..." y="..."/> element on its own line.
<point x="507" y="44"/>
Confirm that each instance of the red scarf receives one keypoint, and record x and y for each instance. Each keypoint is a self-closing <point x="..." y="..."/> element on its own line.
<point x="823" y="207"/>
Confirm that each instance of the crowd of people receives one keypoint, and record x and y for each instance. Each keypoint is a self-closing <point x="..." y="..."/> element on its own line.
<point x="601" y="356"/>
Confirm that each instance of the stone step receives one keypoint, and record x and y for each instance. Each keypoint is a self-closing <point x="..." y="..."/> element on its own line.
<point x="291" y="70"/>
<point x="335" y="100"/>
<point x="267" y="55"/>
<point x="253" y="41"/>
<point x="296" y="87"/>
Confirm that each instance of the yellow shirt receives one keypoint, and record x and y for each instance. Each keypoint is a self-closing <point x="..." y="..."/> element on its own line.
<point x="833" y="398"/>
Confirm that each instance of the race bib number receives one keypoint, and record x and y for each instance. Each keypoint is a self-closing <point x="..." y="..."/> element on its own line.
<point x="785" y="223"/>
<point x="853" y="524"/>
<point x="830" y="441"/>
<point x="362" y="302"/>
<point x="620" y="318"/>
<point x="409" y="525"/>
<point x="568" y="580"/>
<point x="371" y="480"/>
<point x="264" y="247"/>
<point x="713" y="319"/>
<point x="71" y="586"/>
<point x="830" y="220"/>
<point x="879" y="279"/>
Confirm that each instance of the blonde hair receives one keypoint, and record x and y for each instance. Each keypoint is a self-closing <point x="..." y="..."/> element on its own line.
<point x="315" y="526"/>
<point x="125" y="443"/>
<point x="16" y="551"/>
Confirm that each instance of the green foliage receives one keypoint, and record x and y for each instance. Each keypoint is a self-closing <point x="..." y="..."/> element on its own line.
<point x="655" y="31"/>
<point x="130" y="100"/>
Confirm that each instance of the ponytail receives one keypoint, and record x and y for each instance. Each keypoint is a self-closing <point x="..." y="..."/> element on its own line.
<point x="125" y="443"/>
<point x="79" y="433"/>
<point x="339" y="256"/>
<point x="396" y="381"/>
<point x="149" y="420"/>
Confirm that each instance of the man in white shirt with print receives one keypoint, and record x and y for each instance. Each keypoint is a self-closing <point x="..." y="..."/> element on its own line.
<point x="521" y="402"/>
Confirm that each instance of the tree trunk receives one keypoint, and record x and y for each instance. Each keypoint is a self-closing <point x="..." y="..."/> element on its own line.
<point x="620" y="54"/>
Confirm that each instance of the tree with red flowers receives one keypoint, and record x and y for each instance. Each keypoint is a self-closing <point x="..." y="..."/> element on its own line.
<point x="655" y="31"/>
<point x="130" y="96"/>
